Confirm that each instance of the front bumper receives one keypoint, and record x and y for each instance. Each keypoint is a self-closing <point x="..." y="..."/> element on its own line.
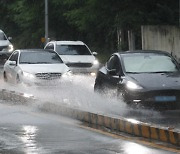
<point x="47" y="82"/>
<point x="164" y="99"/>
<point x="86" y="71"/>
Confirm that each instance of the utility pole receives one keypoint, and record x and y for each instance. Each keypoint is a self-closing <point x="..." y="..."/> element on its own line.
<point x="46" y="21"/>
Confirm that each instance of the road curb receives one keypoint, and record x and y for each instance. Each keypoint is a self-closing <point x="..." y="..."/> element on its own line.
<point x="15" y="96"/>
<point x="137" y="129"/>
<point x="115" y="124"/>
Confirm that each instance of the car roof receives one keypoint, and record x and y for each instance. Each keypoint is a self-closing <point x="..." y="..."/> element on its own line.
<point x="69" y="42"/>
<point x="144" y="51"/>
<point x="34" y="50"/>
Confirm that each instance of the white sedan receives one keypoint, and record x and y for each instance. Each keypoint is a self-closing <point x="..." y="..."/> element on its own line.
<point x="34" y="67"/>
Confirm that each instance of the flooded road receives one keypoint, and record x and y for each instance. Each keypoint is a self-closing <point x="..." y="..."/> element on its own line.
<point x="25" y="130"/>
<point x="79" y="94"/>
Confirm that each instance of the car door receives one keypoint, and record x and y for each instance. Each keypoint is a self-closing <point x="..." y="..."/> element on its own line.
<point x="11" y="66"/>
<point x="114" y="70"/>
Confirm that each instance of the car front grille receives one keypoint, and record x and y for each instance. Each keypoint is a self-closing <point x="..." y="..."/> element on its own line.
<point x="3" y="47"/>
<point x="48" y="76"/>
<point x="79" y="64"/>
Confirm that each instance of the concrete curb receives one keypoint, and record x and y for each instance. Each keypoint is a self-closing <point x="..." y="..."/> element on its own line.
<point x="134" y="128"/>
<point x="117" y="124"/>
<point x="15" y="96"/>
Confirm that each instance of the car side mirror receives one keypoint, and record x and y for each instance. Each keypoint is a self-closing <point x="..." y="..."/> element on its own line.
<point x="94" y="53"/>
<point x="12" y="63"/>
<point x="9" y="38"/>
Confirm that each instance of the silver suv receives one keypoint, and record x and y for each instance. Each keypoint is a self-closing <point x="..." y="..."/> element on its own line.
<point x="76" y="55"/>
<point x="6" y="47"/>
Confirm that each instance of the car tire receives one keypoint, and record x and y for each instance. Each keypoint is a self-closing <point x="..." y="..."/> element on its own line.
<point x="98" y="87"/>
<point x="18" y="80"/>
<point x="5" y="77"/>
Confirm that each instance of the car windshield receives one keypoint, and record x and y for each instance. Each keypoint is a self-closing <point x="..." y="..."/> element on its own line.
<point x="39" y="57"/>
<point x="2" y="36"/>
<point x="72" y="50"/>
<point x="148" y="63"/>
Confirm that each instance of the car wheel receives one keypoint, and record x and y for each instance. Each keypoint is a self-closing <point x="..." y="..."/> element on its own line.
<point x="98" y="87"/>
<point x="18" y="80"/>
<point x="5" y="77"/>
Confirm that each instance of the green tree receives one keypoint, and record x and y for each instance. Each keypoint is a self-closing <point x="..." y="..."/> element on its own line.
<point x="95" y="22"/>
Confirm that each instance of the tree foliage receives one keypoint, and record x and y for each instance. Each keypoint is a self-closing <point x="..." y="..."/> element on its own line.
<point x="92" y="21"/>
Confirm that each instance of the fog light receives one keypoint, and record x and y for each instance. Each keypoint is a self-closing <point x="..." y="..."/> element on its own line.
<point x="136" y="101"/>
<point x="93" y="74"/>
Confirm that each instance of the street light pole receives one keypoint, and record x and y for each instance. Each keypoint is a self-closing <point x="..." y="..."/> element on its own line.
<point x="46" y="21"/>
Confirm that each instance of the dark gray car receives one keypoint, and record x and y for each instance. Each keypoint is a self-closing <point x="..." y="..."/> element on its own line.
<point x="150" y="78"/>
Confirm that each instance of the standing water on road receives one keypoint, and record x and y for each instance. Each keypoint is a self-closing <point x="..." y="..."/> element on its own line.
<point x="79" y="94"/>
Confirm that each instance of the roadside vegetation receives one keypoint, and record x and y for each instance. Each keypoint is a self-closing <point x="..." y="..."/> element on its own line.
<point x="98" y="23"/>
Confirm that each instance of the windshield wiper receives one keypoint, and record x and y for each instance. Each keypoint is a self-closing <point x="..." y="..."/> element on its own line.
<point x="42" y="63"/>
<point x="133" y="72"/>
<point x="163" y="72"/>
<point x="26" y="63"/>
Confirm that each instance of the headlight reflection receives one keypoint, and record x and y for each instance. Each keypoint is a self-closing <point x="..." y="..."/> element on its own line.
<point x="131" y="148"/>
<point x="28" y="138"/>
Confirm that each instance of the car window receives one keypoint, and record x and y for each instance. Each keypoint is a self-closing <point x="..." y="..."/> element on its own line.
<point x="50" y="46"/>
<point x="72" y="50"/>
<point x="33" y="57"/>
<point x="148" y="63"/>
<point x="14" y="56"/>
<point x="2" y="36"/>
<point x="113" y="63"/>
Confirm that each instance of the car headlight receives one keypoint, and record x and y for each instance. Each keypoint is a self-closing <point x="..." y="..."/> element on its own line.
<point x="132" y="85"/>
<point x="96" y="62"/>
<point x="10" y="48"/>
<point x="93" y="74"/>
<point x="67" y="74"/>
<point x="28" y="75"/>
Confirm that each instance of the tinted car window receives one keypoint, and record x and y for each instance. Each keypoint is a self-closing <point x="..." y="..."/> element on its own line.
<point x="112" y="63"/>
<point x="137" y="63"/>
<point x="2" y="36"/>
<point x="14" y="56"/>
<point x="72" y="50"/>
<point x="35" y="57"/>
<point x="50" y="46"/>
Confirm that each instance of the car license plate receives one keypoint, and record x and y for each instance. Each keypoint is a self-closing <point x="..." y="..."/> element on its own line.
<point x="165" y="98"/>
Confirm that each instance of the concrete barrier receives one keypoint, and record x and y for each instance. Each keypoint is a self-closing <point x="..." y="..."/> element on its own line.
<point x="120" y="124"/>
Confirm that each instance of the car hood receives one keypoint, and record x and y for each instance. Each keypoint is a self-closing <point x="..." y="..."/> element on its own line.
<point x="156" y="80"/>
<point x="44" y="68"/>
<point x="77" y="58"/>
<point x="4" y="43"/>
